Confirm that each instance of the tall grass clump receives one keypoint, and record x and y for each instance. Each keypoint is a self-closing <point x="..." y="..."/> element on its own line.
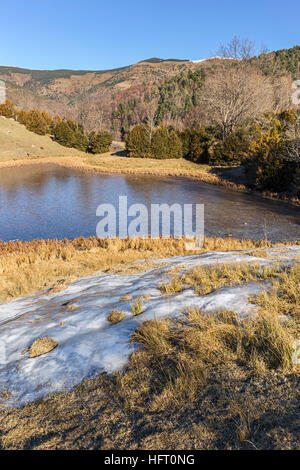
<point x="284" y="298"/>
<point x="137" y="307"/>
<point x="176" y="357"/>
<point x="154" y="336"/>
<point x="174" y="286"/>
<point x="206" y="280"/>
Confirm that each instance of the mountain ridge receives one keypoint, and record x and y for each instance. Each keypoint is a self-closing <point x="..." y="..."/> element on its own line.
<point x="124" y="94"/>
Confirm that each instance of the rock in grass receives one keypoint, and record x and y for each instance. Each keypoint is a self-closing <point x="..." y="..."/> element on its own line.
<point x="41" y="346"/>
<point x="296" y="352"/>
<point x="115" y="316"/>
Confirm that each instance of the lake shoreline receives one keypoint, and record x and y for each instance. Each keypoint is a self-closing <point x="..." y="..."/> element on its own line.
<point x="79" y="163"/>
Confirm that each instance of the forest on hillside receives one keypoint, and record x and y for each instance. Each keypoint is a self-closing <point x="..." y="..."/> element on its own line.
<point x="170" y="93"/>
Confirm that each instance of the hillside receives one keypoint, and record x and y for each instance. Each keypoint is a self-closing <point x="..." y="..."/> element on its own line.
<point x="65" y="85"/>
<point x="122" y="97"/>
<point x="17" y="142"/>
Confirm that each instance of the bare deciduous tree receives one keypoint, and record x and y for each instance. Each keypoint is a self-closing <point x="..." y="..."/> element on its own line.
<point x="97" y="111"/>
<point x="281" y="87"/>
<point x="237" y="48"/>
<point x="82" y="111"/>
<point x="150" y="118"/>
<point x="236" y="92"/>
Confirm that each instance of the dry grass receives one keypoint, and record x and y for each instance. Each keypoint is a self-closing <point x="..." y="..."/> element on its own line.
<point x="259" y="254"/>
<point x="115" y="316"/>
<point x="154" y="336"/>
<point x="201" y="382"/>
<point x="41" y="346"/>
<point x="206" y="280"/>
<point x="174" y="286"/>
<point x="16" y="142"/>
<point x="26" y="267"/>
<point x="72" y="307"/>
<point x="183" y="353"/>
<point x="284" y="298"/>
<point x="110" y="161"/>
<point x="125" y="298"/>
<point x="137" y="307"/>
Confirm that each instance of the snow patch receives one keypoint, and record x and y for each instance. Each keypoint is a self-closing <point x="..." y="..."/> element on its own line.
<point x="87" y="343"/>
<point x="212" y="58"/>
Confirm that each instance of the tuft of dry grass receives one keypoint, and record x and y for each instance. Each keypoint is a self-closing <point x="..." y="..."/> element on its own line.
<point x="125" y="298"/>
<point x="208" y="279"/>
<point x="137" y="307"/>
<point x="72" y="307"/>
<point x="284" y="298"/>
<point x="179" y="356"/>
<point x="154" y="336"/>
<point x="174" y="286"/>
<point x="41" y="346"/>
<point x="259" y="254"/>
<point x="115" y="316"/>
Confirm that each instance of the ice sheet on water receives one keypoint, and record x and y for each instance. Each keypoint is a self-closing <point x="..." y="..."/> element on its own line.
<point x="87" y="343"/>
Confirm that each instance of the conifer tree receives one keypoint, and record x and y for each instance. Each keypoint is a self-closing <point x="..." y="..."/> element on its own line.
<point x="175" y="145"/>
<point x="37" y="122"/>
<point x="64" y="134"/>
<point x="7" y="109"/>
<point x="138" y="143"/>
<point x="99" y="142"/>
<point x="160" y="143"/>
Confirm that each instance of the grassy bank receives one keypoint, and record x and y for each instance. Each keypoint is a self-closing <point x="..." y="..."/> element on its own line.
<point x="18" y="143"/>
<point x="26" y="267"/>
<point x="199" y="382"/>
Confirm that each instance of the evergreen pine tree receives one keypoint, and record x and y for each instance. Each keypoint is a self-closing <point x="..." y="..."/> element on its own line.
<point x="175" y="145"/>
<point x="160" y="143"/>
<point x="138" y="143"/>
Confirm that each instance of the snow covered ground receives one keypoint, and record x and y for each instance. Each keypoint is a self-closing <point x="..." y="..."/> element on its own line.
<point x="87" y="343"/>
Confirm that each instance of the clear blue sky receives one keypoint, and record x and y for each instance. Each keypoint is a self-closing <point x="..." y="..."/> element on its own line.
<point x="97" y="34"/>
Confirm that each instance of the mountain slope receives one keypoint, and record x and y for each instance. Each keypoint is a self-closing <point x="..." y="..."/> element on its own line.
<point x="65" y="85"/>
<point x="119" y="98"/>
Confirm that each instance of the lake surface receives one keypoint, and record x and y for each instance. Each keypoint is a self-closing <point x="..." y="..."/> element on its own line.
<point x="47" y="201"/>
